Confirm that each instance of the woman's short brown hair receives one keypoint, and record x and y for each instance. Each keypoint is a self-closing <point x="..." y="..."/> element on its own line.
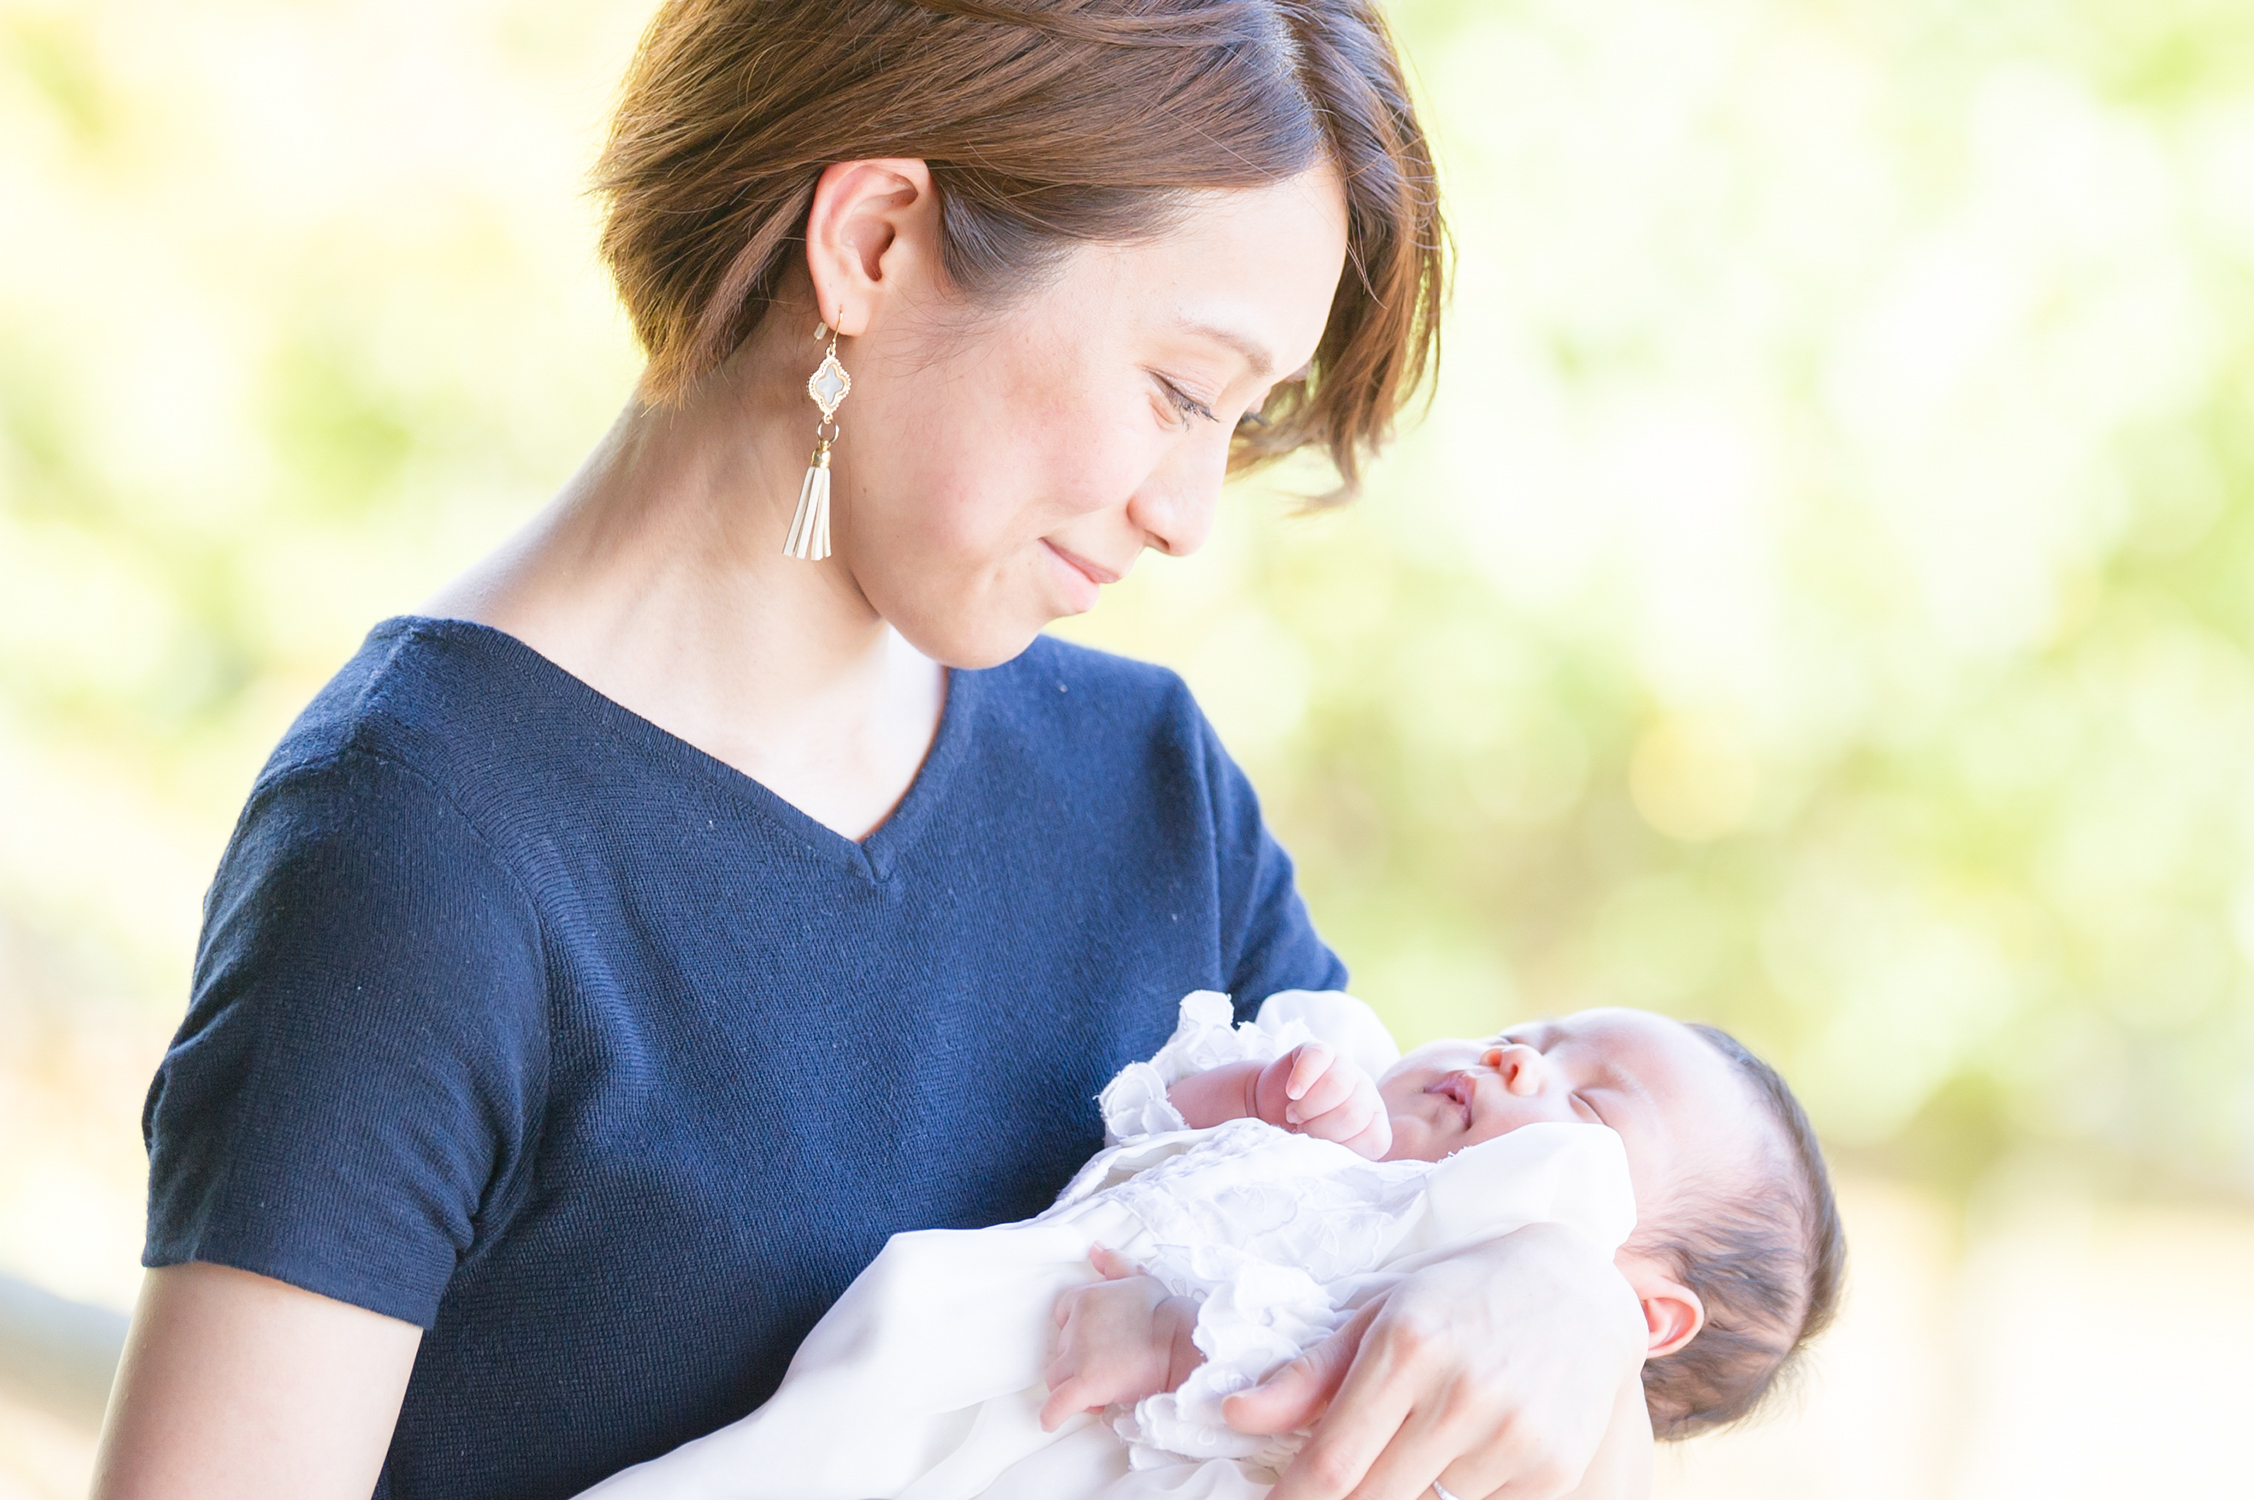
<point x="1044" y="123"/>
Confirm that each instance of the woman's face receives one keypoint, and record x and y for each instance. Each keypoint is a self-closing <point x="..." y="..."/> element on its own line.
<point x="992" y="480"/>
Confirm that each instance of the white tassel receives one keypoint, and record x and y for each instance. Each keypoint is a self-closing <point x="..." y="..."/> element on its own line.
<point x="822" y="510"/>
<point x="809" y="537"/>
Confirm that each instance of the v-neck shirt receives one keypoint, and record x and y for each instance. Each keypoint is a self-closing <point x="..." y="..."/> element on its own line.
<point x="521" y="1019"/>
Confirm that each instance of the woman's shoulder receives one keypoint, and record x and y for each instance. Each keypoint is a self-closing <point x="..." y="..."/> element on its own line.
<point x="441" y="755"/>
<point x="434" y="697"/>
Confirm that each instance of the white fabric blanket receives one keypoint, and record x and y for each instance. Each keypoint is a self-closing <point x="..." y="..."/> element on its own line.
<point x="923" y="1382"/>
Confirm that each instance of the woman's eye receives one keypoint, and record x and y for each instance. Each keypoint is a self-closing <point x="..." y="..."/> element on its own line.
<point x="1185" y="405"/>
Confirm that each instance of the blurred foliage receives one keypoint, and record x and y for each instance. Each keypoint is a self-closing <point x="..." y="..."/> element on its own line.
<point x="1818" y="599"/>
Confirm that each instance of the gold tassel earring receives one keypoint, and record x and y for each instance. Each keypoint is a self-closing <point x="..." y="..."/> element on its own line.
<point x="810" y="528"/>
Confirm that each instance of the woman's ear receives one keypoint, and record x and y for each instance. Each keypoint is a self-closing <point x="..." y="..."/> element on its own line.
<point x="872" y="231"/>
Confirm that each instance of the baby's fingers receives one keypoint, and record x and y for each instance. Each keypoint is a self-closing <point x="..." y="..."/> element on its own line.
<point x="1344" y="1123"/>
<point x="1064" y="1402"/>
<point x="1337" y="1089"/>
<point x="1110" y="1264"/>
<point x="1067" y="1299"/>
<point x="1307" y="1069"/>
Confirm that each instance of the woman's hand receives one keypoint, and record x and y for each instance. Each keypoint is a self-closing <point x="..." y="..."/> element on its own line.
<point x="1316" y="1092"/>
<point x="1119" y="1339"/>
<point x="1497" y="1372"/>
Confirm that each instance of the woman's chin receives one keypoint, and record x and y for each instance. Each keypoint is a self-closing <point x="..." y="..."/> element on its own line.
<point x="972" y="644"/>
<point x="982" y="617"/>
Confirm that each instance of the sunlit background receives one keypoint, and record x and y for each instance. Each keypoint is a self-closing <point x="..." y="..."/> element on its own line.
<point x="1820" y="601"/>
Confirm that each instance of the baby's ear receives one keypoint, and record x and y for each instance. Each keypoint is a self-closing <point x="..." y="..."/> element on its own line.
<point x="1674" y="1315"/>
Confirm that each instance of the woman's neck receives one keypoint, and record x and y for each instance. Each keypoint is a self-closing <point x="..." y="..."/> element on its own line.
<point x="657" y="576"/>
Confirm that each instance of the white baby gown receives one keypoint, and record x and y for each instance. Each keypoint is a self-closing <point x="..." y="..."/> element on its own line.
<point x="924" y="1381"/>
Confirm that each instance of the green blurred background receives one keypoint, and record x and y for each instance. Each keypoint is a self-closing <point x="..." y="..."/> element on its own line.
<point x="1819" y="600"/>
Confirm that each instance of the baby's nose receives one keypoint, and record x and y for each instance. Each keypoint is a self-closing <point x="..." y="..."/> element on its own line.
<point x="1521" y="1067"/>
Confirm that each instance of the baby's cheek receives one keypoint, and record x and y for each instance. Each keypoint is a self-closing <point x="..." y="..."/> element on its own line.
<point x="1487" y="1130"/>
<point x="1401" y="1093"/>
<point x="1490" y="1124"/>
<point x="1414" y="1139"/>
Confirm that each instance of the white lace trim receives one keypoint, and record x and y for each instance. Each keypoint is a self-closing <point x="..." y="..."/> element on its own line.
<point x="1207" y="1035"/>
<point x="1255" y="1318"/>
<point x="1254" y="1314"/>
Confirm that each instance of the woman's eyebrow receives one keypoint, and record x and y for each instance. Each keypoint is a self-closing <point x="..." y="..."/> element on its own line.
<point x="1255" y="354"/>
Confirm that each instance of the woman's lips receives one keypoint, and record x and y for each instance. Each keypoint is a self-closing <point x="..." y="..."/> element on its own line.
<point x="1096" y="573"/>
<point x="1082" y="579"/>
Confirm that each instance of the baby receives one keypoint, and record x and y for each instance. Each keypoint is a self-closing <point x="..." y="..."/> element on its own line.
<point x="1738" y="1244"/>
<point x="1261" y="1182"/>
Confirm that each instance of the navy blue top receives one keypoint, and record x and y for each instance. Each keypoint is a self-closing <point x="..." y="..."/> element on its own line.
<point x="523" y="1020"/>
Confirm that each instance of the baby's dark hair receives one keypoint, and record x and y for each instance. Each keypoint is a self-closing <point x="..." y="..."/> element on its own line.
<point x="1766" y="1257"/>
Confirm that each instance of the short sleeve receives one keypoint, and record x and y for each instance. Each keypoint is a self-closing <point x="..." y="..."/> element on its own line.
<point x="365" y="1048"/>
<point x="1268" y="941"/>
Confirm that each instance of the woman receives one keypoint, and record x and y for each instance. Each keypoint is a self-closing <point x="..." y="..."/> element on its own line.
<point x="483" y="1163"/>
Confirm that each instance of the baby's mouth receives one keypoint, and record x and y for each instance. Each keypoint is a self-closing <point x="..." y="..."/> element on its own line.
<point x="1456" y="1086"/>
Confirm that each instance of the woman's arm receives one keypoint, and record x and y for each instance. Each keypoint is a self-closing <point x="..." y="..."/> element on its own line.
<point x="1622" y="1468"/>
<point x="1498" y="1371"/>
<point x="239" y="1387"/>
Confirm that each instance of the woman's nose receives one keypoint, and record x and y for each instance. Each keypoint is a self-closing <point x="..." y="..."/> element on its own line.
<point x="1174" y="507"/>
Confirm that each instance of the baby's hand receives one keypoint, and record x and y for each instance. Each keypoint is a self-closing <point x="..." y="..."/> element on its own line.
<point x="1314" y="1091"/>
<point x="1120" y="1339"/>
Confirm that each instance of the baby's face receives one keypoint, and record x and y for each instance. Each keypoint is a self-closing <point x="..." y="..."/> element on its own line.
<point x="1679" y="1106"/>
